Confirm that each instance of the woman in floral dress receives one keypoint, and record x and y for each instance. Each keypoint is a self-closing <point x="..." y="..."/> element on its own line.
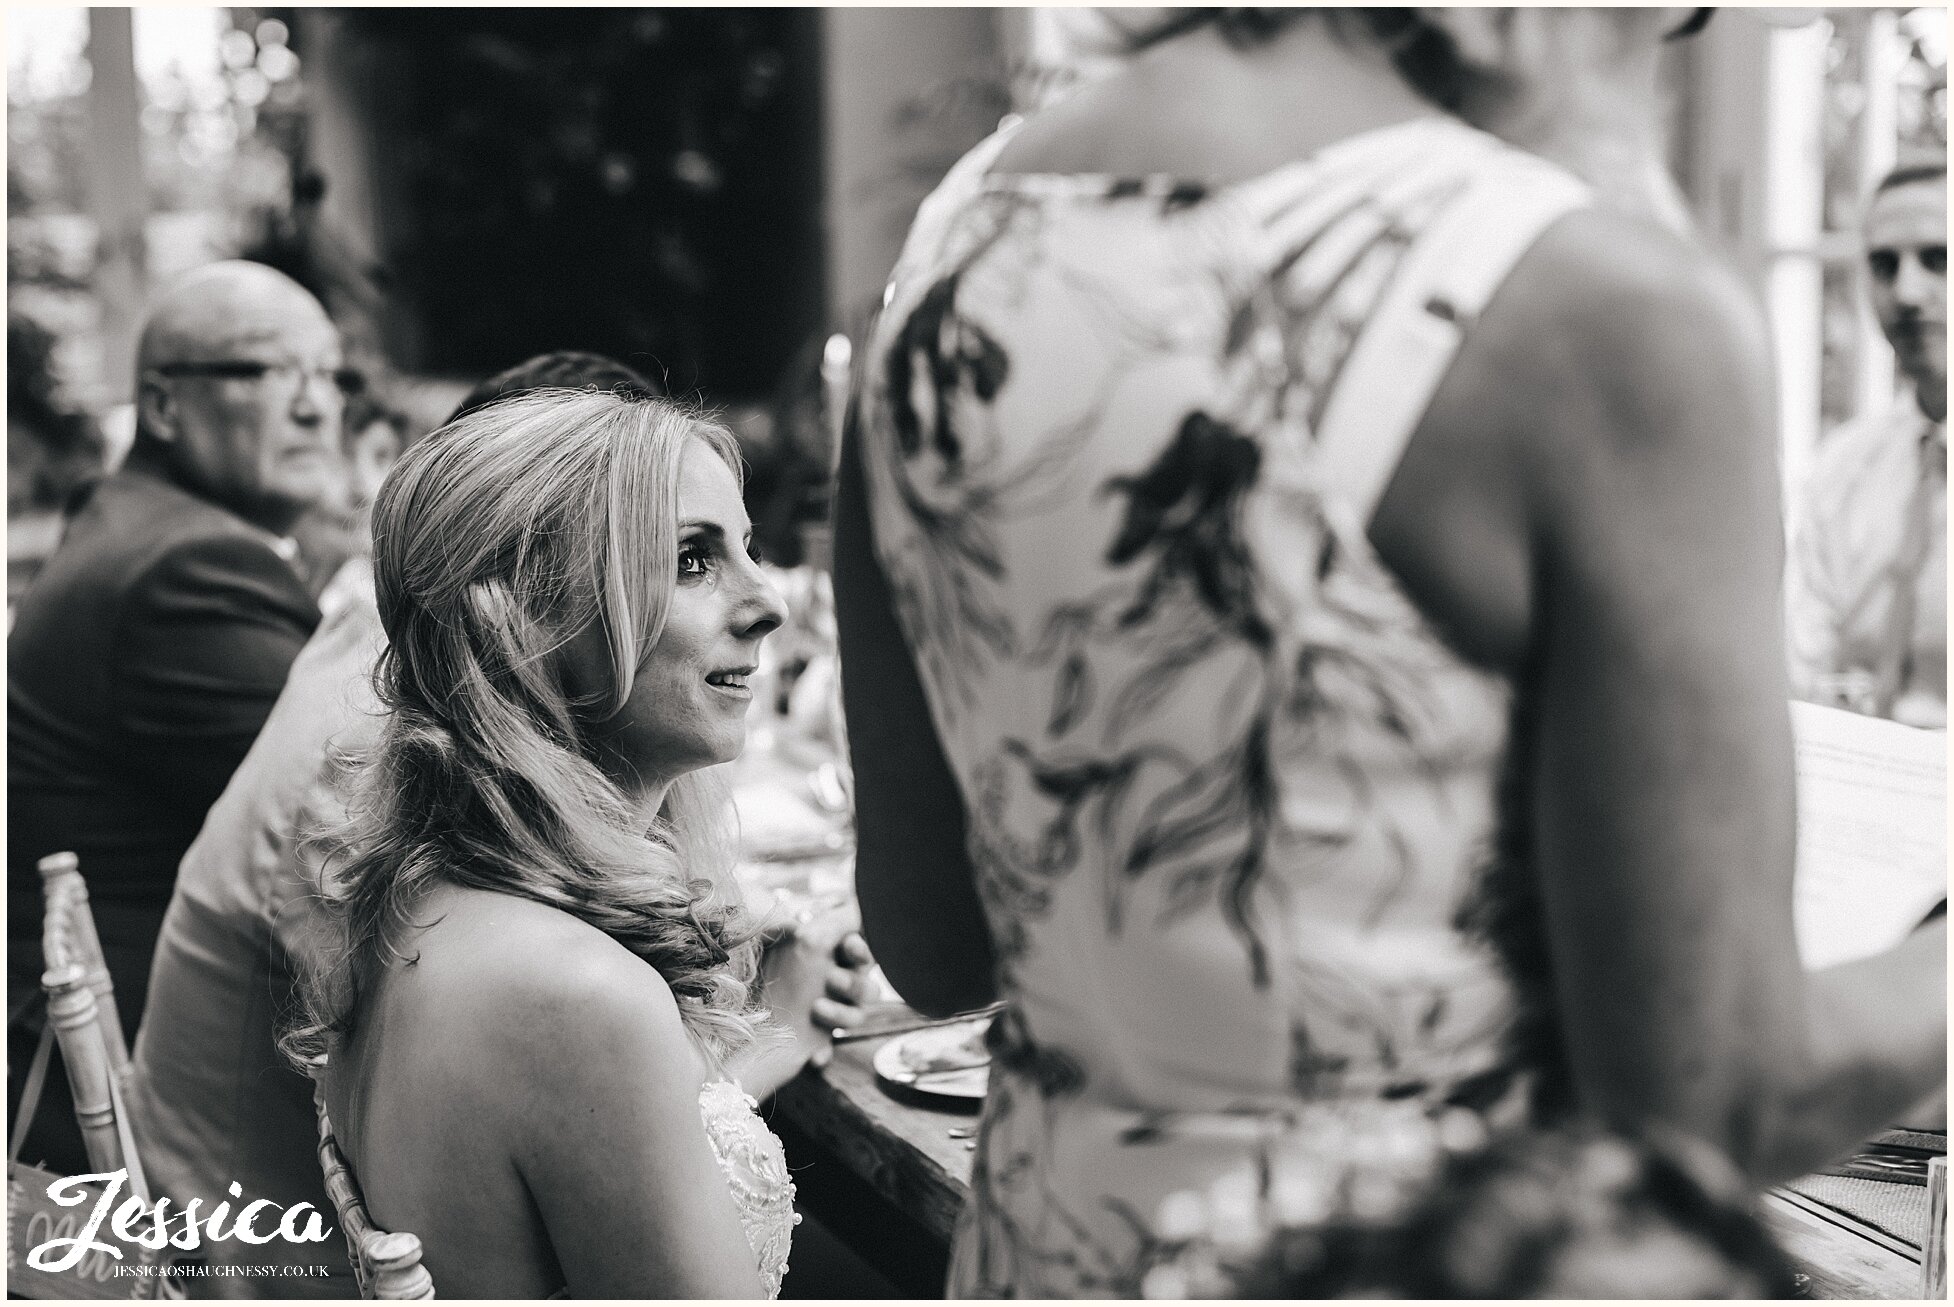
<point x="1308" y="584"/>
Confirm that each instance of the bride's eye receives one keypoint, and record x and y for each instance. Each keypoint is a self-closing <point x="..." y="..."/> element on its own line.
<point x="692" y="561"/>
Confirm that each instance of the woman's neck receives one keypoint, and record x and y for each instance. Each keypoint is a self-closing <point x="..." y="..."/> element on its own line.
<point x="644" y="791"/>
<point x="1201" y="108"/>
<point x="1592" y="104"/>
<point x="647" y="799"/>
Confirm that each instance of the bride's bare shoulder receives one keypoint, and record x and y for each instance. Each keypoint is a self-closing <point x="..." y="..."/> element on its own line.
<point x="537" y="982"/>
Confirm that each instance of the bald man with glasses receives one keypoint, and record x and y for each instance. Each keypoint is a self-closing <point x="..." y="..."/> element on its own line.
<point x="150" y="649"/>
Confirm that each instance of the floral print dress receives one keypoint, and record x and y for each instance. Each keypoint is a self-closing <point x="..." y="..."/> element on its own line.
<point x="1232" y="801"/>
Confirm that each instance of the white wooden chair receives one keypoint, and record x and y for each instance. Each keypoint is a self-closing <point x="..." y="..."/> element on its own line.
<point x="83" y="1023"/>
<point x="68" y="924"/>
<point x="385" y="1264"/>
<point x="77" y="1020"/>
<point x="87" y="1027"/>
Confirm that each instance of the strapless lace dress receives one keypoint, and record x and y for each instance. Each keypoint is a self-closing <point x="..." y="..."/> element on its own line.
<point x="756" y="1172"/>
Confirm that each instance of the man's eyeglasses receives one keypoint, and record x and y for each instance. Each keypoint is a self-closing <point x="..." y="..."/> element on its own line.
<point x="287" y="376"/>
<point x="1885" y="264"/>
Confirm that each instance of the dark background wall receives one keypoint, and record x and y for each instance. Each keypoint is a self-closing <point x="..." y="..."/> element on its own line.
<point x="644" y="183"/>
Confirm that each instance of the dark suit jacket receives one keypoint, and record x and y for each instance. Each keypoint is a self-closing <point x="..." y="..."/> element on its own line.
<point x="142" y="662"/>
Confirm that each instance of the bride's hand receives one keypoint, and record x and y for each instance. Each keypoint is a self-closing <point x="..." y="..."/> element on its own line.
<point x="814" y="978"/>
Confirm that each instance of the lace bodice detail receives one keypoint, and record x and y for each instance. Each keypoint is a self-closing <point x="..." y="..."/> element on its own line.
<point x="756" y="1172"/>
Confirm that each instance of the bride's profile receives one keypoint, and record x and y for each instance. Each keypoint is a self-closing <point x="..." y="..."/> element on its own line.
<point x="544" y="1018"/>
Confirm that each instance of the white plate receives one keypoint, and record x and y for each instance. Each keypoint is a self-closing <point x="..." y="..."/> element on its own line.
<point x="915" y="1060"/>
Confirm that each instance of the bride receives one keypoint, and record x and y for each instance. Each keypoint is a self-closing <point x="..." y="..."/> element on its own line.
<point x="543" y="1017"/>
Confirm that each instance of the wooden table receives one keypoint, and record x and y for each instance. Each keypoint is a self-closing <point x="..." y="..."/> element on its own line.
<point x="902" y="1148"/>
<point x="1840" y="1260"/>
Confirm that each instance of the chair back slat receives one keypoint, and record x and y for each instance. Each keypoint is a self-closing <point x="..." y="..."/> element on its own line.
<point x="76" y="1019"/>
<point x="385" y="1264"/>
<point x="68" y="936"/>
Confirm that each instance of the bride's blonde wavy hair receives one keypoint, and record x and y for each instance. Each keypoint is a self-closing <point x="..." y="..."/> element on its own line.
<point x="498" y="540"/>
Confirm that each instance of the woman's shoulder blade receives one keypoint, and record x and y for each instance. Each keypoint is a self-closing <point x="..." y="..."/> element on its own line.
<point x="535" y="979"/>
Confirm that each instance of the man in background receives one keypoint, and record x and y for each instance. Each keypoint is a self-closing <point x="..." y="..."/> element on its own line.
<point x="148" y="652"/>
<point x="1866" y="598"/>
<point x="331" y="535"/>
<point x="211" y="1098"/>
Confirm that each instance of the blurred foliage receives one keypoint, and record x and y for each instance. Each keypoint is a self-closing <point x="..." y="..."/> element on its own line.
<point x="224" y="143"/>
<point x="644" y="183"/>
<point x="216" y="136"/>
<point x="47" y="144"/>
<point x="1920" y="108"/>
<point x="1923" y="81"/>
<point x="213" y="142"/>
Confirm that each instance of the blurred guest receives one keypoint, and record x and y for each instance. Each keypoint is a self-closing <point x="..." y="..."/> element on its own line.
<point x="539" y="993"/>
<point x="372" y="448"/>
<point x="52" y="448"/>
<point x="212" y="1098"/>
<point x="788" y="479"/>
<point x="1866" y="599"/>
<point x="373" y="445"/>
<point x="149" y="651"/>
<point x="1308" y="580"/>
<point x="563" y="369"/>
<point x="332" y="532"/>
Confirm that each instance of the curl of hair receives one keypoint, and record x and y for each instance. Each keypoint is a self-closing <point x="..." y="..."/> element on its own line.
<point x="1911" y="170"/>
<point x="1423" y="53"/>
<point x="497" y="540"/>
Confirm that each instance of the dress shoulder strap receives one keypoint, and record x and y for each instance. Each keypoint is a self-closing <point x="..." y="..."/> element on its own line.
<point x="965" y="179"/>
<point x="966" y="176"/>
<point x="1444" y="281"/>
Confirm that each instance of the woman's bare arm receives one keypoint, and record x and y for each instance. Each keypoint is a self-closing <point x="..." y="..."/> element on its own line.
<point x="912" y="872"/>
<point x="609" y="1138"/>
<point x="1639" y="379"/>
